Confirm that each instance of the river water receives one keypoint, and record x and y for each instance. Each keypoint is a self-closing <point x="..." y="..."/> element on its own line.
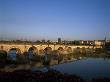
<point x="87" y="68"/>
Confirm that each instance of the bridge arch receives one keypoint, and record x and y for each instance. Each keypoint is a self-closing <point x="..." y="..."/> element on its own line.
<point x="60" y="50"/>
<point x="18" y="51"/>
<point x="13" y="53"/>
<point x="69" y="50"/>
<point x="48" y="50"/>
<point x="32" y="50"/>
<point x="78" y="48"/>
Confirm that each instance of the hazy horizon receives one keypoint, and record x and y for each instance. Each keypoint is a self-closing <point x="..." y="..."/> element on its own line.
<point x="50" y="19"/>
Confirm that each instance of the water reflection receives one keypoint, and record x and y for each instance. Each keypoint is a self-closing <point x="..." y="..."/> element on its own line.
<point x="87" y="68"/>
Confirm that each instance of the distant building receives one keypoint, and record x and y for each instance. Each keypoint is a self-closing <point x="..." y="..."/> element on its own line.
<point x="99" y="42"/>
<point x="77" y="42"/>
<point x="90" y="42"/>
<point x="86" y="42"/>
<point x="59" y="40"/>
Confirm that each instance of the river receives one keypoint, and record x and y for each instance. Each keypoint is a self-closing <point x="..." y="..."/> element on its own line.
<point x="87" y="68"/>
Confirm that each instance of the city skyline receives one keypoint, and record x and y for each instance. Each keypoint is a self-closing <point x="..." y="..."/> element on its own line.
<point x="50" y="19"/>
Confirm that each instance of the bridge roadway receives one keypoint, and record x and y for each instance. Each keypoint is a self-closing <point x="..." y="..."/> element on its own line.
<point x="24" y="47"/>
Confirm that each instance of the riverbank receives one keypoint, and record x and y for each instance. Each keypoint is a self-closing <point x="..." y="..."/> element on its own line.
<point x="39" y="76"/>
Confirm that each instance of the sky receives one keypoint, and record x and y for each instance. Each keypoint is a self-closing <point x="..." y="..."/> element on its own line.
<point x="50" y="19"/>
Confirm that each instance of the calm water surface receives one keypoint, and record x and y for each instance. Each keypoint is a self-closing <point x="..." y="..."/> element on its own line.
<point x="87" y="68"/>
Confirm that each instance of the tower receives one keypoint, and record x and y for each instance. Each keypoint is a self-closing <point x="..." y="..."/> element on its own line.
<point x="105" y="39"/>
<point x="59" y="40"/>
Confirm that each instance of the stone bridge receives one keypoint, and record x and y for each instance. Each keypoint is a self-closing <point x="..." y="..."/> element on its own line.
<point x="25" y="48"/>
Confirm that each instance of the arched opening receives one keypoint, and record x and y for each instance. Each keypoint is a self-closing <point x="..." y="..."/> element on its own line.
<point x="47" y="56"/>
<point x="60" y="49"/>
<point x="83" y="48"/>
<point x="69" y="49"/>
<point x="48" y="50"/>
<point x="13" y="52"/>
<point x="78" y="48"/>
<point x="32" y="51"/>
